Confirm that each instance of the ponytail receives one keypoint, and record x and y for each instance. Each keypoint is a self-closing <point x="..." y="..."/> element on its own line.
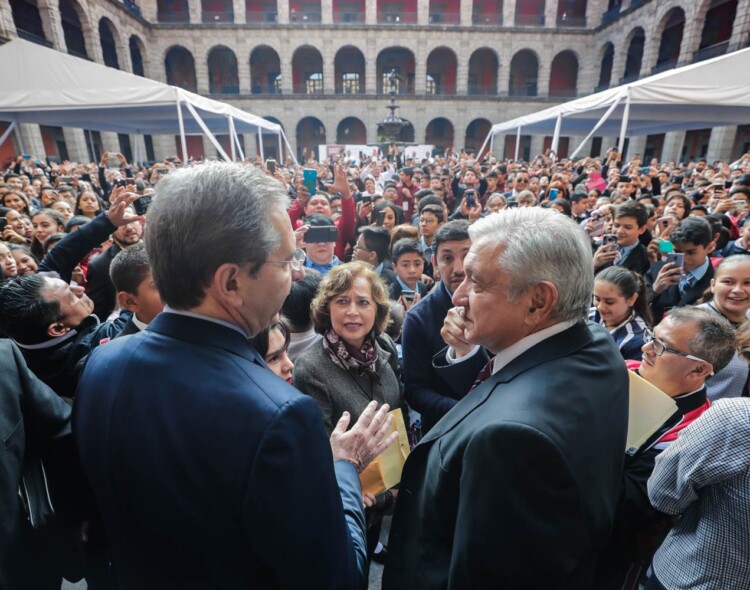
<point x="629" y="283"/>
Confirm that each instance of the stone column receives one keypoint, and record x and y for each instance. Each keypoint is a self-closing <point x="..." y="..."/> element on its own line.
<point x="420" y="71"/>
<point x="326" y="8"/>
<point x="329" y="76"/>
<point x="423" y="13"/>
<point x="672" y="149"/>
<point x="110" y="141"/>
<point x="721" y="143"/>
<point x="285" y="61"/>
<point x="542" y="83"/>
<point x="166" y="146"/>
<point x="537" y="146"/>
<point x="741" y="26"/>
<point x="636" y="145"/>
<point x="282" y="6"/>
<point x="466" y="13"/>
<point x="77" y="143"/>
<point x="52" y="24"/>
<point x="150" y="12"/>
<point x="7" y="26"/>
<point x="196" y="11"/>
<point x="550" y="14"/>
<point x="594" y="11"/>
<point x="371" y="67"/>
<point x="371" y="12"/>
<point x="243" y="71"/>
<point x="462" y="67"/>
<point x="32" y="140"/>
<point x="240" y="13"/>
<point x="509" y="13"/>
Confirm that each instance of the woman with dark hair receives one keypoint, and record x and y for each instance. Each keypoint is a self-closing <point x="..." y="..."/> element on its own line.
<point x="621" y="306"/>
<point x="562" y="206"/>
<point x="393" y="216"/>
<point x="17" y="201"/>
<point x="46" y="222"/>
<point x="678" y="205"/>
<point x="88" y="204"/>
<point x="26" y="262"/>
<point x="272" y="344"/>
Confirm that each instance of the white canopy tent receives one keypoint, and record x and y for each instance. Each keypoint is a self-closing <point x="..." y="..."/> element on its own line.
<point x="47" y="87"/>
<point x="712" y="93"/>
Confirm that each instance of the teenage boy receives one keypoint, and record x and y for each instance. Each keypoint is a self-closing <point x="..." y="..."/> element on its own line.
<point x="674" y="286"/>
<point x="408" y="264"/>
<point x="431" y="218"/>
<point x="134" y="285"/>
<point x="320" y="255"/>
<point x="630" y="222"/>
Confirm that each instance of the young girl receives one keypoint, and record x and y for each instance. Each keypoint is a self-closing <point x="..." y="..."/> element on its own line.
<point x="621" y="306"/>
<point x="272" y="344"/>
<point x="730" y="298"/>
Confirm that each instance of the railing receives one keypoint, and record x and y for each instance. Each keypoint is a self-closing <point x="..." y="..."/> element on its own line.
<point x="261" y="16"/>
<point x="173" y="17"/>
<point x="611" y="15"/>
<point x="529" y="20"/>
<point x="442" y="90"/>
<point x="487" y="20"/>
<point x="80" y="54"/>
<point x="217" y="16"/>
<point x="571" y="22"/>
<point x="481" y="90"/>
<point x="563" y="93"/>
<point x="664" y="66"/>
<point x="304" y="89"/>
<point x="349" y="17"/>
<point x="601" y="87"/>
<point x="225" y="89"/>
<point x="711" y="51"/>
<point x="304" y="17"/>
<point x="26" y="35"/>
<point x="397" y="18"/>
<point x="132" y="7"/>
<point x="529" y="91"/>
<point x="445" y="18"/>
<point x="266" y="89"/>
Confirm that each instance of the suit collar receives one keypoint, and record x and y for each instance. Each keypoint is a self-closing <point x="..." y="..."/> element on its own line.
<point x="204" y="332"/>
<point x="560" y="345"/>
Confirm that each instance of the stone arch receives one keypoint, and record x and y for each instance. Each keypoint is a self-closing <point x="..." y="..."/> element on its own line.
<point x="307" y="70"/>
<point x="28" y="21"/>
<point x="265" y="70"/>
<point x="108" y="39"/>
<point x="223" y="77"/>
<point x="442" y="66"/>
<point x="483" y="66"/>
<point x="352" y="131"/>
<point x="402" y="61"/>
<point x="671" y="31"/>
<point x="635" y="43"/>
<point x="179" y="66"/>
<point x="138" y="57"/>
<point x="76" y="28"/>
<point x="563" y="79"/>
<point x="476" y="133"/>
<point x="605" y="70"/>
<point x="310" y="133"/>
<point x="439" y="132"/>
<point x="349" y="67"/>
<point x="524" y="73"/>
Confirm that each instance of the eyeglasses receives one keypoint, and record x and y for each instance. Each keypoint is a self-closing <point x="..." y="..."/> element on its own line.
<point x="660" y="348"/>
<point x="297" y="263"/>
<point x="358" y="247"/>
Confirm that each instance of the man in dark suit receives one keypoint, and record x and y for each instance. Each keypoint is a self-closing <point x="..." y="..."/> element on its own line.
<point x="99" y="286"/>
<point x="426" y="390"/>
<point x="627" y="252"/>
<point x="674" y="286"/>
<point x="516" y="487"/>
<point x="202" y="461"/>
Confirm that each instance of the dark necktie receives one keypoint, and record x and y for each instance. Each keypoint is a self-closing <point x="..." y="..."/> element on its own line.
<point x="483" y="374"/>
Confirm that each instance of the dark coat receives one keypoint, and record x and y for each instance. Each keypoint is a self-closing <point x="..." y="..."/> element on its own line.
<point x="99" y="286"/>
<point x="202" y="462"/>
<point x="31" y="415"/>
<point x="516" y="487"/>
<point x="671" y="297"/>
<point x="426" y="389"/>
<point x="636" y="260"/>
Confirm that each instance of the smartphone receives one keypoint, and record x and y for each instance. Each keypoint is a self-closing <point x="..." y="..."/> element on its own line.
<point x="142" y="204"/>
<point x="609" y="239"/>
<point x="271" y="165"/>
<point x="677" y="257"/>
<point x="122" y="182"/>
<point x="553" y="194"/>
<point x="310" y="180"/>
<point x="665" y="247"/>
<point x="728" y="184"/>
<point x="471" y="198"/>
<point x="665" y="222"/>
<point x="644" y="170"/>
<point x="381" y="218"/>
<point x="408" y="295"/>
<point x="66" y="179"/>
<point x="3" y="224"/>
<point x="322" y="234"/>
<point x="597" y="225"/>
<point x="366" y="199"/>
<point x="26" y="156"/>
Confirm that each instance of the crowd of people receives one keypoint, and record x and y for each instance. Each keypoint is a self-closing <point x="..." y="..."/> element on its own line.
<point x="199" y="360"/>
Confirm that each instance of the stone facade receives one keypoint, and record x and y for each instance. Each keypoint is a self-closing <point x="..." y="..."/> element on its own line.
<point x="586" y="40"/>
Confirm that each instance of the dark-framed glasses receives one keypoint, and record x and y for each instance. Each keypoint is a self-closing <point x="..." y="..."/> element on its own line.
<point x="297" y="263"/>
<point x="660" y="348"/>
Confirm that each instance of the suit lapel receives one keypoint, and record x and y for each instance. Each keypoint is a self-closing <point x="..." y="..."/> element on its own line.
<point x="694" y="292"/>
<point x="557" y="346"/>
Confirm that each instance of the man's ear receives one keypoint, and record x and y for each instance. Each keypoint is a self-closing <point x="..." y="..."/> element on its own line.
<point x="127" y="301"/>
<point x="225" y="284"/>
<point x="543" y="298"/>
<point x="57" y="329"/>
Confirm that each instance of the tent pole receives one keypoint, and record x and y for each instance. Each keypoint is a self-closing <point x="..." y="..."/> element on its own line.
<point x="91" y="145"/>
<point x="556" y="137"/>
<point x="281" y="149"/>
<point x="231" y="138"/>
<point x="624" y="126"/>
<point x="237" y="139"/>
<point x="289" y="149"/>
<point x="183" y="142"/>
<point x="601" y="121"/>
<point x="207" y="131"/>
<point x="136" y="151"/>
<point x="491" y="138"/>
<point x="260" y="143"/>
<point x="7" y="133"/>
<point x="492" y="144"/>
<point x="518" y="143"/>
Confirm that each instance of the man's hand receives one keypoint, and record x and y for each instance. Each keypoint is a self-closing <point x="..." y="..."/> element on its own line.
<point x="10" y="235"/>
<point x="120" y="200"/>
<point x="668" y="275"/>
<point x="452" y="332"/>
<point x="366" y="439"/>
<point x="409" y="304"/>
<point x="605" y="254"/>
<point x="299" y="236"/>
<point x="340" y="182"/>
<point x="365" y="209"/>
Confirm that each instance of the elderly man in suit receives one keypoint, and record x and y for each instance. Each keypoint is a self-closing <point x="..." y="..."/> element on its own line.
<point x="210" y="471"/>
<point x="676" y="286"/>
<point x="516" y="486"/>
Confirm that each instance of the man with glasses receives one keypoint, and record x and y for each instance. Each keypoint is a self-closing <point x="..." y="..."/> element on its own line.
<point x="520" y="184"/>
<point x="373" y="247"/>
<point x="684" y="350"/>
<point x="200" y="458"/>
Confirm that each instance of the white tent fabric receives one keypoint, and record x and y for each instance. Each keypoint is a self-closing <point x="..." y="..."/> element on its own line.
<point x="47" y="87"/>
<point x="712" y="93"/>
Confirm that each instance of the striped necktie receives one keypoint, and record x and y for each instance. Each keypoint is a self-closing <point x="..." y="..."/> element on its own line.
<point x="483" y="374"/>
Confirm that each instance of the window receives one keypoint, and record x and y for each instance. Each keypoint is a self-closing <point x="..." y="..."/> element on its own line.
<point x="350" y="83"/>
<point x="314" y="84"/>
